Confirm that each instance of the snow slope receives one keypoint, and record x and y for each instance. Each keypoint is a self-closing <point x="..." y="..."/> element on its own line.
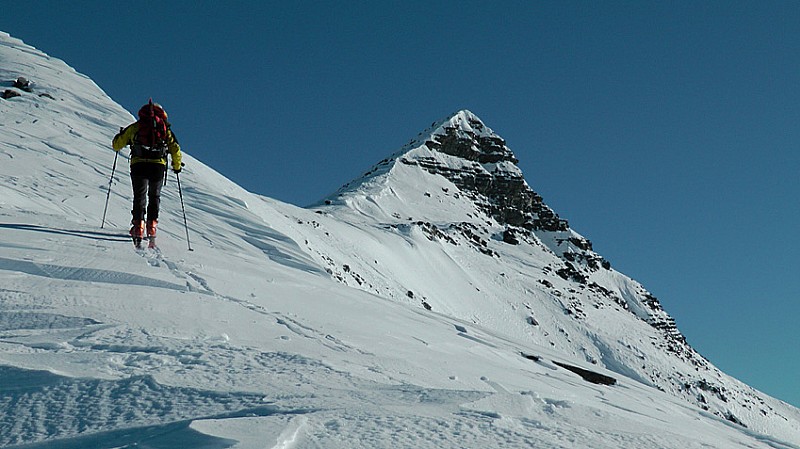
<point x="258" y="338"/>
<point x="428" y="234"/>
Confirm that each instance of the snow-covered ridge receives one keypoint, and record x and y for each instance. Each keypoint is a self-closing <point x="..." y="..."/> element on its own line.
<point x="403" y="315"/>
<point x="474" y="145"/>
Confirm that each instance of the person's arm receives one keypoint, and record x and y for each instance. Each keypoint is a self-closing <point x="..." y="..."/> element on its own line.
<point x="124" y="137"/>
<point x="174" y="151"/>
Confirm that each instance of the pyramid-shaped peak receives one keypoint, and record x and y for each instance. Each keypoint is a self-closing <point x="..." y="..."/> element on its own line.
<point x="465" y="120"/>
<point x="465" y="135"/>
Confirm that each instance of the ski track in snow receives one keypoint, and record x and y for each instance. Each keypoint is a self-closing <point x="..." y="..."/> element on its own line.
<point x="138" y="403"/>
<point x="156" y="259"/>
<point x="288" y="438"/>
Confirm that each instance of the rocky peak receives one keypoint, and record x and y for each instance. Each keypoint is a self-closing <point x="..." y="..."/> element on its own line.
<point x="413" y="191"/>
<point x="464" y="135"/>
<point x="485" y="169"/>
<point x="474" y="158"/>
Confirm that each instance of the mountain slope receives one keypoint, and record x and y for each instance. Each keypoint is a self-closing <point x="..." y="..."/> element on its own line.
<point x="249" y="341"/>
<point x="485" y="248"/>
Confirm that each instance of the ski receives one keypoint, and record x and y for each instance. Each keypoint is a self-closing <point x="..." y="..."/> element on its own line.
<point x="138" y="243"/>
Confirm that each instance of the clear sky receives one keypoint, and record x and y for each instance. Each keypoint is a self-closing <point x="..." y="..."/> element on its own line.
<point x="665" y="132"/>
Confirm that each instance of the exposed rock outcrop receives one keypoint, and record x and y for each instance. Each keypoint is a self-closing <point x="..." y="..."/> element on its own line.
<point x="486" y="171"/>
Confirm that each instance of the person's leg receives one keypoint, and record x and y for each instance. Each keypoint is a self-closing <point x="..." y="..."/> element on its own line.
<point x="154" y="197"/>
<point x="139" y="183"/>
<point x="155" y="180"/>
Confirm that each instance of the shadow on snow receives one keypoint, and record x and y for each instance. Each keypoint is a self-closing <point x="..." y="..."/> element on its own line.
<point x="84" y="274"/>
<point x="94" y="235"/>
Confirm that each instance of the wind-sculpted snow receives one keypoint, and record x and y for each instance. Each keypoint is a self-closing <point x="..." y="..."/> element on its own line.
<point x="398" y="316"/>
<point x="84" y="274"/>
<point x="14" y="320"/>
<point x="61" y="408"/>
<point x="252" y="231"/>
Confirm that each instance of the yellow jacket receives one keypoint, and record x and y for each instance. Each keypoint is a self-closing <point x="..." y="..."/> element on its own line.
<point x="125" y="138"/>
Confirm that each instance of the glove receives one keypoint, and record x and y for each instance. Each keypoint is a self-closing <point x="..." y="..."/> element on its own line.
<point x="178" y="170"/>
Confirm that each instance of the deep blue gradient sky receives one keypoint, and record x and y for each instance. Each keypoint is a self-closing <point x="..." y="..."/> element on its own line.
<point x="666" y="132"/>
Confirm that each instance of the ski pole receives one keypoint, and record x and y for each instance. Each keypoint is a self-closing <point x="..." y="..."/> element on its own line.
<point x="113" y="169"/>
<point x="185" y="224"/>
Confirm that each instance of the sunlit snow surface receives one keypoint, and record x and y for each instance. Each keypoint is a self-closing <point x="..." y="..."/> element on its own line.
<point x="261" y="339"/>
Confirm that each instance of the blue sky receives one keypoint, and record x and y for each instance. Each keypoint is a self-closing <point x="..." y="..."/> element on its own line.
<point x="665" y="132"/>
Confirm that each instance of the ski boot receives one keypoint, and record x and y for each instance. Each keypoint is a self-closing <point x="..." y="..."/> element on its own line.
<point x="137" y="233"/>
<point x="151" y="233"/>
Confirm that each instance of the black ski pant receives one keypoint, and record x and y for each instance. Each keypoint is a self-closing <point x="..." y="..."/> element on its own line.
<point x="147" y="179"/>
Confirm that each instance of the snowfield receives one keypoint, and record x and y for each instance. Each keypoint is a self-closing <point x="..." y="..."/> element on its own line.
<point x="391" y="316"/>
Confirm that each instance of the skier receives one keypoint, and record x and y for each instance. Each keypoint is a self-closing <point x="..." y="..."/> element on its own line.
<point x="150" y="139"/>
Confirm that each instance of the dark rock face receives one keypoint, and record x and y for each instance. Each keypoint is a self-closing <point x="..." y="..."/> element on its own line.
<point x="468" y="145"/>
<point x="503" y="194"/>
<point x="23" y="83"/>
<point x="510" y="238"/>
<point x="589" y="376"/>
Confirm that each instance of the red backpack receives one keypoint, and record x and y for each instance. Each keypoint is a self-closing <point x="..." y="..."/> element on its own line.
<point x="150" y="141"/>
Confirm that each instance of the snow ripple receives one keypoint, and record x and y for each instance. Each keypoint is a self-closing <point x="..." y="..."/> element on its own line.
<point x="38" y="406"/>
